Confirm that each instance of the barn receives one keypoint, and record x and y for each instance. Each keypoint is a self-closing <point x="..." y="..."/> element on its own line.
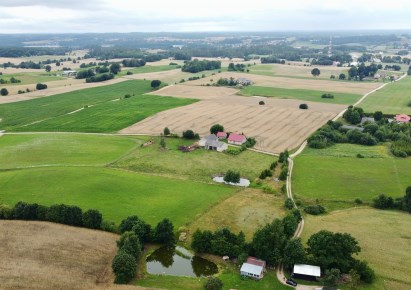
<point x="306" y="272"/>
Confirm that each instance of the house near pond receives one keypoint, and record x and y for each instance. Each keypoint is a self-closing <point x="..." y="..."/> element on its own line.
<point x="211" y="142"/>
<point x="253" y="268"/>
<point x="236" y="139"/>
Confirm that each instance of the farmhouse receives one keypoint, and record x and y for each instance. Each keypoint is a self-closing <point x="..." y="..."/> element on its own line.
<point x="244" y="81"/>
<point x="236" y="139"/>
<point x="402" y="118"/>
<point x="211" y="142"/>
<point x="307" y="272"/>
<point x="253" y="268"/>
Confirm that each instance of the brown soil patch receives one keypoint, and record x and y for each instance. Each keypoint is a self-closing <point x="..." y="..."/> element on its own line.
<point x="41" y="255"/>
<point x="294" y="83"/>
<point x="277" y="125"/>
<point x="194" y="92"/>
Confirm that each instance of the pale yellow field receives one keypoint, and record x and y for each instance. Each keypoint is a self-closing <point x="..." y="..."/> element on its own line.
<point x="294" y="83"/>
<point x="245" y="211"/>
<point x="384" y="237"/>
<point x="40" y="255"/>
<point x="297" y="69"/>
<point x="195" y="92"/>
<point x="277" y="125"/>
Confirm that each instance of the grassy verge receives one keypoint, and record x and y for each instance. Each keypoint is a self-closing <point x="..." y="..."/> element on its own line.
<point x="384" y="238"/>
<point x="336" y="176"/>
<point x="300" y="94"/>
<point x="393" y="99"/>
<point x="101" y="109"/>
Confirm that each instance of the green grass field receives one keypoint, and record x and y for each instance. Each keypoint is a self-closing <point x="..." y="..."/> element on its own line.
<point x="393" y="99"/>
<point x="31" y="77"/>
<point x="98" y="109"/>
<point x="199" y="165"/>
<point x="146" y="69"/>
<point x="336" y="176"/>
<point x="306" y="95"/>
<point x="384" y="237"/>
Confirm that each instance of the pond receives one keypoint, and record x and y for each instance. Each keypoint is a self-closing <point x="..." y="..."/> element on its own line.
<point x="243" y="182"/>
<point x="177" y="261"/>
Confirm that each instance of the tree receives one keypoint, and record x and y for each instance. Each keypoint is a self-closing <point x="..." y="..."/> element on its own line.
<point x="216" y="128"/>
<point x="289" y="204"/>
<point x="353" y="72"/>
<point x="4" y="92"/>
<point x="378" y="116"/>
<point x="189" y="134"/>
<point x="115" y="68"/>
<point x="213" y="283"/>
<point x="294" y="253"/>
<point x="41" y="86"/>
<point x="124" y="267"/>
<point x="367" y="274"/>
<point x="303" y="106"/>
<point x="315" y="72"/>
<point x="354" y="279"/>
<point x="201" y="241"/>
<point x="341" y="76"/>
<point x="331" y="277"/>
<point x="155" y="83"/>
<point x="232" y="176"/>
<point x="332" y="250"/>
<point x="269" y="242"/>
<point x="406" y="201"/>
<point x="164" y="232"/>
<point x="162" y="143"/>
<point x="383" y="202"/>
<point x="129" y="243"/>
<point x="166" y="131"/>
<point x="290" y="223"/>
<point x="138" y="226"/>
<point x="47" y="68"/>
<point x="92" y="219"/>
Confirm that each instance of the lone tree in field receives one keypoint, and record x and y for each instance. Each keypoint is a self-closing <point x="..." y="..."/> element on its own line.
<point x="115" y="68"/>
<point x="47" y="68"/>
<point x="155" y="84"/>
<point x="216" y="128"/>
<point x="166" y="131"/>
<point x="341" y="76"/>
<point x="315" y="72"/>
<point x="41" y="86"/>
<point x="4" y="92"/>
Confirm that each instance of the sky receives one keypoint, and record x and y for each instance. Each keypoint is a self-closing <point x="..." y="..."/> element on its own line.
<point x="63" y="16"/>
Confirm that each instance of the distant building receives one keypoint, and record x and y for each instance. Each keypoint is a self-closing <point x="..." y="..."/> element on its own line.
<point x="236" y="139"/>
<point x="69" y="73"/>
<point x="307" y="272"/>
<point x="402" y="118"/>
<point x="253" y="268"/>
<point x="244" y="82"/>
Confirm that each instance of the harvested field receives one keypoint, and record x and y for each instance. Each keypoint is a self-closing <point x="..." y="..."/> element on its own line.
<point x="74" y="258"/>
<point x="277" y="125"/>
<point x="54" y="88"/>
<point x="192" y="92"/>
<point x="173" y="76"/>
<point x="295" y="83"/>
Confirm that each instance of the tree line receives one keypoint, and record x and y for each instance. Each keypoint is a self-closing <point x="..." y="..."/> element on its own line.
<point x="196" y="65"/>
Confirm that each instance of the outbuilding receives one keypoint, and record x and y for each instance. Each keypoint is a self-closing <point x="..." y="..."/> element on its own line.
<point x="306" y="272"/>
<point x="402" y="118"/>
<point x="236" y="139"/>
<point x="252" y="271"/>
<point x="221" y="135"/>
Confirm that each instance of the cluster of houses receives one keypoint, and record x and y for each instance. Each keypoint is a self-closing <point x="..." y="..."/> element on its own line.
<point x="255" y="269"/>
<point x="214" y="141"/>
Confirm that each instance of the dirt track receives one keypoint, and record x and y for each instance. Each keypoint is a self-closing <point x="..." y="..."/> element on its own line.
<point x="277" y="125"/>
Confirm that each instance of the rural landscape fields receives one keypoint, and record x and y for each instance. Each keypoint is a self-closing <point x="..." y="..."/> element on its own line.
<point x="104" y="147"/>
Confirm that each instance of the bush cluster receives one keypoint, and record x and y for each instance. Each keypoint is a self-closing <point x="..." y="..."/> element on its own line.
<point x="314" y="209"/>
<point x="100" y="78"/>
<point x="196" y="65"/>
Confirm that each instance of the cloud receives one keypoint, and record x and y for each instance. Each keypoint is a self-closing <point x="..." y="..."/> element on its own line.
<point x="72" y="4"/>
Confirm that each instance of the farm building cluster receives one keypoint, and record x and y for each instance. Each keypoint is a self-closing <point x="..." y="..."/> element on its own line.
<point x="214" y="141"/>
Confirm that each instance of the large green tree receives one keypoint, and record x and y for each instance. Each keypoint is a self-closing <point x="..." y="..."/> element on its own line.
<point x="115" y="68"/>
<point x="124" y="267"/>
<point x="4" y="92"/>
<point x="129" y="243"/>
<point x="164" y="232"/>
<point x="294" y="253"/>
<point x="216" y="128"/>
<point x="332" y="250"/>
<point x="315" y="72"/>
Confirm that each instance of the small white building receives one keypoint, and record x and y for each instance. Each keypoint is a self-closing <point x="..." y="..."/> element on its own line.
<point x="252" y="271"/>
<point x="69" y="73"/>
<point x="308" y="272"/>
<point x="211" y="142"/>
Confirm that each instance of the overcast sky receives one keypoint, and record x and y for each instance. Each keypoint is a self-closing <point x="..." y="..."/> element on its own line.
<point x="40" y="16"/>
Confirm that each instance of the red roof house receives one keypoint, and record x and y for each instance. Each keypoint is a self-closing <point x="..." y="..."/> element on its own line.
<point x="221" y="135"/>
<point x="236" y="139"/>
<point x="402" y="118"/>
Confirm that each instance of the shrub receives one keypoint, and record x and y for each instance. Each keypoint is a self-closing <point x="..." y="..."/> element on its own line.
<point x="41" y="86"/>
<point x="283" y="174"/>
<point x="268" y="189"/>
<point x="92" y="219"/>
<point x="367" y="274"/>
<point x="360" y="155"/>
<point x="232" y="176"/>
<point x="155" y="83"/>
<point x="124" y="267"/>
<point x="127" y="96"/>
<point x="262" y="103"/>
<point x="331" y="277"/>
<point x="314" y="209"/>
<point x="265" y="173"/>
<point x="4" y="92"/>
<point x="213" y="283"/>
<point x="5" y="212"/>
<point x="129" y="73"/>
<point x="273" y="165"/>
<point x="383" y="202"/>
<point x="288" y="203"/>
<point x="129" y="243"/>
<point x="284" y="188"/>
<point x="358" y="200"/>
<point x="327" y="96"/>
<point x="189" y="134"/>
<point x="166" y="131"/>
<point x="100" y="78"/>
<point x="303" y="106"/>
